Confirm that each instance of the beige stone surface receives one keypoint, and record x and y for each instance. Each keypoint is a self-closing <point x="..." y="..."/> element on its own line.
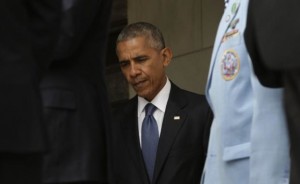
<point x="190" y="72"/>
<point x="179" y="20"/>
<point x="212" y="11"/>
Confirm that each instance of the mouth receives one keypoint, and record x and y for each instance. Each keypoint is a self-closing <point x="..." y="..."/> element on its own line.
<point x="139" y="84"/>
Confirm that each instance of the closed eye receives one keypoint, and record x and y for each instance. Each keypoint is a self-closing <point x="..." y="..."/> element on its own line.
<point x="141" y="59"/>
<point x="123" y="64"/>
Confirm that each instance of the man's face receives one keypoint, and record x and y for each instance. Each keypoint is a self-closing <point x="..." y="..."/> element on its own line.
<point x="143" y="66"/>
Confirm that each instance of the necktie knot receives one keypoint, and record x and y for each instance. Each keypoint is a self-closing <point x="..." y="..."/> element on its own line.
<point x="149" y="109"/>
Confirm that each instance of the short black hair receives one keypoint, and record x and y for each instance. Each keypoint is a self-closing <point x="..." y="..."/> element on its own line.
<point x="143" y="29"/>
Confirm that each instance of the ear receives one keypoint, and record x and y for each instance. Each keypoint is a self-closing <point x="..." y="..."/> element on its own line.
<point x="167" y="56"/>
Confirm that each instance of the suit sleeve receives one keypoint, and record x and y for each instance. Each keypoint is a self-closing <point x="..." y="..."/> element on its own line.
<point x="266" y="76"/>
<point x="206" y="132"/>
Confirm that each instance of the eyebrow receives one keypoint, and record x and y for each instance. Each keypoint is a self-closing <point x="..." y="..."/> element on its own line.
<point x="141" y="56"/>
<point x="135" y="58"/>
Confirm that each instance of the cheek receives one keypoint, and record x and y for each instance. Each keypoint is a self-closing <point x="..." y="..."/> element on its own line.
<point x="157" y="73"/>
<point x="126" y="74"/>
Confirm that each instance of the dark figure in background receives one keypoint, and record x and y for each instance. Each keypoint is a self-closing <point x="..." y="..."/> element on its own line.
<point x="272" y="37"/>
<point x="75" y="97"/>
<point x="173" y="152"/>
<point x="28" y="34"/>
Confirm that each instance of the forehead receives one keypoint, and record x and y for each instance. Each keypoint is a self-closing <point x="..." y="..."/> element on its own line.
<point x="133" y="46"/>
<point x="136" y="42"/>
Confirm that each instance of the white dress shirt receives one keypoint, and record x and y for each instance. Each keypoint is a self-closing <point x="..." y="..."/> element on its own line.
<point x="160" y="101"/>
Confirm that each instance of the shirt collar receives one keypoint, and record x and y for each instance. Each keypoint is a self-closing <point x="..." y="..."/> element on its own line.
<point x="160" y="100"/>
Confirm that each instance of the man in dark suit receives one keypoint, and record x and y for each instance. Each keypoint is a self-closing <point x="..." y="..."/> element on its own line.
<point x="75" y="97"/>
<point x="173" y="151"/>
<point x="272" y="37"/>
<point x="27" y="38"/>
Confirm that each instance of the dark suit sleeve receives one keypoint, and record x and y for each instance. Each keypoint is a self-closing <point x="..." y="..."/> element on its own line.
<point x="275" y="26"/>
<point x="266" y="76"/>
<point x="206" y="131"/>
<point x="272" y="38"/>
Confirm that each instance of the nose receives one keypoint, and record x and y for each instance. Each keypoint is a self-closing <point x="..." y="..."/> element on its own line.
<point x="134" y="70"/>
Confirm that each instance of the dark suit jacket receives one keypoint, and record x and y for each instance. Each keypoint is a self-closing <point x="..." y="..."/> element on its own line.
<point x="28" y="35"/>
<point x="272" y="38"/>
<point x="75" y="97"/>
<point x="182" y="144"/>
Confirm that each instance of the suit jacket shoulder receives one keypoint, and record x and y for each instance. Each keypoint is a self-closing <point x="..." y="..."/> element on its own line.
<point x="191" y="99"/>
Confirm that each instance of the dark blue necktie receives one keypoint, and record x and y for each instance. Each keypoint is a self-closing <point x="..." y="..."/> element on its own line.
<point x="150" y="139"/>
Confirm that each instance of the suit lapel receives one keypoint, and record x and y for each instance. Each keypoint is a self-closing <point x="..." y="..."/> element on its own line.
<point x="228" y="15"/>
<point x="173" y="120"/>
<point x="130" y="128"/>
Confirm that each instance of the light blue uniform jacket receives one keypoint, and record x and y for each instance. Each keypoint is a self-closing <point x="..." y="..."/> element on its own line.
<point x="249" y="140"/>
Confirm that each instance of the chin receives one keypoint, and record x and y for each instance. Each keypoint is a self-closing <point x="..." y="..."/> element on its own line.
<point x="144" y="95"/>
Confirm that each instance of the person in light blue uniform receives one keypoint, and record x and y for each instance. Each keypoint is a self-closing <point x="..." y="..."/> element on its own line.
<point x="248" y="140"/>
